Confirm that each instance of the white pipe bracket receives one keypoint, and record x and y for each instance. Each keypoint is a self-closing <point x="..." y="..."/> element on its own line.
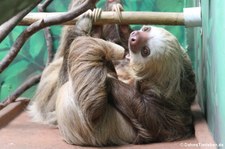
<point x="192" y="17"/>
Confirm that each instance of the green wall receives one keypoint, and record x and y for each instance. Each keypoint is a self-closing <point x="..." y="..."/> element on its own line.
<point x="32" y="57"/>
<point x="209" y="64"/>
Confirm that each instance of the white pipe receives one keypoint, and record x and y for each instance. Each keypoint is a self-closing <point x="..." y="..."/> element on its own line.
<point x="192" y="17"/>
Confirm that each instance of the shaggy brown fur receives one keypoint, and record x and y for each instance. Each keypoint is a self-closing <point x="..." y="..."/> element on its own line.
<point x="158" y="107"/>
<point x="42" y="107"/>
<point x="84" y="113"/>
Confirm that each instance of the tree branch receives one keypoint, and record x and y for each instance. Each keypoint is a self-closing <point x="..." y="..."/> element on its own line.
<point x="21" y="89"/>
<point x="8" y="26"/>
<point x="44" y="5"/>
<point x="36" y="26"/>
<point x="47" y="32"/>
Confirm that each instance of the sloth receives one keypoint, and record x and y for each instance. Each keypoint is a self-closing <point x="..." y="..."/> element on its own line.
<point x="95" y="108"/>
<point x="81" y="93"/>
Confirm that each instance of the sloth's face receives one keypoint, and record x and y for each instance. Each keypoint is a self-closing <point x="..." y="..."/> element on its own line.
<point x="152" y="46"/>
<point x="151" y="41"/>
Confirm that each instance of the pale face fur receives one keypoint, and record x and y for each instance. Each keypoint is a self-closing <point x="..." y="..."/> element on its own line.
<point x="164" y="64"/>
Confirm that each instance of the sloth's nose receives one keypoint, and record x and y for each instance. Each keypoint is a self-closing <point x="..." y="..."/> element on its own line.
<point x="137" y="40"/>
<point x="134" y="41"/>
<point x="134" y="37"/>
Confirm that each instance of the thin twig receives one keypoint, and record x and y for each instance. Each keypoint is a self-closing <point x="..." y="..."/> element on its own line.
<point x="49" y="43"/>
<point x="21" y="89"/>
<point x="36" y="26"/>
<point x="8" y="26"/>
<point x="47" y="32"/>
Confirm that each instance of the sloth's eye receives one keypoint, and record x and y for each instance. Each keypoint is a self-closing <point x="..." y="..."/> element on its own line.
<point x="146" y="29"/>
<point x="145" y="51"/>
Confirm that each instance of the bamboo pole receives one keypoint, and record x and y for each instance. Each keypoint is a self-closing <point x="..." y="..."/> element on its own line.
<point x="109" y="17"/>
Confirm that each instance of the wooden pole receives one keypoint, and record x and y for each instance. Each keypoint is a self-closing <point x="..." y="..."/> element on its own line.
<point x="109" y="17"/>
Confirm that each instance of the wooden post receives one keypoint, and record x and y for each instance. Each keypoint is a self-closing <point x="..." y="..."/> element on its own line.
<point x="109" y="17"/>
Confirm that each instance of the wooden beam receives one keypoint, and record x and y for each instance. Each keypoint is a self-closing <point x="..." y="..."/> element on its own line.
<point x="109" y="17"/>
